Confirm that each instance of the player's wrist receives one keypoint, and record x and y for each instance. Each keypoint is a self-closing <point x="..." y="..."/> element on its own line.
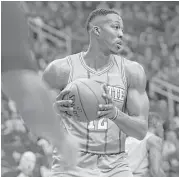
<point x="116" y="114"/>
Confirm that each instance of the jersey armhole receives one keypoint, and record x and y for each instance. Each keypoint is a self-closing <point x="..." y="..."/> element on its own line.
<point x="71" y="69"/>
<point x="121" y="68"/>
<point x="123" y="72"/>
<point x="125" y="81"/>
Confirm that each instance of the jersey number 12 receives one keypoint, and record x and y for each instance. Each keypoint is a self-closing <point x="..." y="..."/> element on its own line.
<point x="101" y="124"/>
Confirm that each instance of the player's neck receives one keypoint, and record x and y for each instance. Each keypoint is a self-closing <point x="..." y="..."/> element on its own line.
<point x="96" y="59"/>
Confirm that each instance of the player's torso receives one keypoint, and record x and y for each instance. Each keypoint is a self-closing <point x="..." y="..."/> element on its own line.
<point x="100" y="136"/>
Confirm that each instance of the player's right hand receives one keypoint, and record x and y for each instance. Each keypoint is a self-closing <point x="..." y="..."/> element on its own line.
<point x="63" y="107"/>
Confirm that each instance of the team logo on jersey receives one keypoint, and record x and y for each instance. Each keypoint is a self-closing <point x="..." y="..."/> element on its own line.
<point x="117" y="93"/>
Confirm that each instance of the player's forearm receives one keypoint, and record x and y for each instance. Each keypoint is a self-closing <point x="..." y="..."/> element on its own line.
<point x="132" y="126"/>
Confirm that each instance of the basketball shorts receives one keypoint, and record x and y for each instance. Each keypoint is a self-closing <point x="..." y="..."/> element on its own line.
<point x="95" y="165"/>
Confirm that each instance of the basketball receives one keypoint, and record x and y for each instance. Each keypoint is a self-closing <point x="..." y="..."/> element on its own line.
<point x="86" y="95"/>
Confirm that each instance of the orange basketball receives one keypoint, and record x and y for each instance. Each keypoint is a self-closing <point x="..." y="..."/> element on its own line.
<point x="86" y="95"/>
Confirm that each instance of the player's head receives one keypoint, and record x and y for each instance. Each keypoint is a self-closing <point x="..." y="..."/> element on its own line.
<point x="105" y="27"/>
<point x="155" y="122"/>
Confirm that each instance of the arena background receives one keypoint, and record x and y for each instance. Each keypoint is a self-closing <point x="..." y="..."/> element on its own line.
<point x="56" y="29"/>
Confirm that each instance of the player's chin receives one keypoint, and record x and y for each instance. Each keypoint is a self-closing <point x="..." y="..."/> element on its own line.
<point x="116" y="51"/>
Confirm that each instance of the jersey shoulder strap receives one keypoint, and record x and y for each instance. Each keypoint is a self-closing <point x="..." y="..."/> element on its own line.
<point x="120" y="62"/>
<point x="73" y="61"/>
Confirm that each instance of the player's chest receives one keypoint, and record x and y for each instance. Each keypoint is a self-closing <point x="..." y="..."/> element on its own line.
<point x="115" y="85"/>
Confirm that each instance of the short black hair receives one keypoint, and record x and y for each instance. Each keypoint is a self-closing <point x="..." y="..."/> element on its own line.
<point x="96" y="13"/>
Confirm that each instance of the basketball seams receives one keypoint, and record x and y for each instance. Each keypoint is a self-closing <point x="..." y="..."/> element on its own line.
<point x="68" y="88"/>
<point x="105" y="147"/>
<point x="87" y="144"/>
<point x="81" y="84"/>
<point x="67" y="97"/>
<point x="80" y="100"/>
<point x="91" y="91"/>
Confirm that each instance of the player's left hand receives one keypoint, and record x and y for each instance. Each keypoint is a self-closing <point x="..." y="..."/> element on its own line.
<point x="108" y="110"/>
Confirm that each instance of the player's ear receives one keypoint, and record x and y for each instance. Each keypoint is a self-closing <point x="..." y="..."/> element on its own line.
<point x="96" y="30"/>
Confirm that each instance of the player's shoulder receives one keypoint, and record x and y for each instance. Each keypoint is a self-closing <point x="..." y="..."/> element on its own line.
<point x="61" y="63"/>
<point x="57" y="73"/>
<point x="154" y="141"/>
<point x="135" y="74"/>
<point x="58" y="63"/>
<point x="59" y="66"/>
<point x="56" y="67"/>
<point x="134" y="69"/>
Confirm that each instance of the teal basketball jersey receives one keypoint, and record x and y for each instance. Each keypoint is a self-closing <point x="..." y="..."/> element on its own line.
<point x="100" y="136"/>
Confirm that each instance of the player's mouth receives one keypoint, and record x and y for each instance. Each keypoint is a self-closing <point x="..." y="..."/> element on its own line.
<point x="119" y="44"/>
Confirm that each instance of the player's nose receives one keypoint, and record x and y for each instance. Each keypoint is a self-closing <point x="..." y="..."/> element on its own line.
<point x="120" y="34"/>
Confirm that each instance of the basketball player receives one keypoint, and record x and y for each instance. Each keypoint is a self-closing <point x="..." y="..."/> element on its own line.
<point x="145" y="156"/>
<point x="18" y="78"/>
<point x="102" y="141"/>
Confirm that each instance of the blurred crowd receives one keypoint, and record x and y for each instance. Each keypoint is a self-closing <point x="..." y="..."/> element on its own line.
<point x="151" y="32"/>
<point x="151" y="37"/>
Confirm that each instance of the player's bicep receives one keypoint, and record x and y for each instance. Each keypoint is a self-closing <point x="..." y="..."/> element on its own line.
<point x="56" y="74"/>
<point x="137" y="99"/>
<point x="137" y="103"/>
<point x="49" y="75"/>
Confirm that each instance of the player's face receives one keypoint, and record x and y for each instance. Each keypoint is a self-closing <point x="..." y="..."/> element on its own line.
<point x="111" y="34"/>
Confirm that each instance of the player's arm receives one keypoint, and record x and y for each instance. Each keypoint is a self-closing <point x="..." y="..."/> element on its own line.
<point x="135" y="123"/>
<point x="154" y="146"/>
<point x="56" y="75"/>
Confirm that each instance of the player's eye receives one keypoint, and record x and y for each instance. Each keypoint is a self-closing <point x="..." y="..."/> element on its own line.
<point x="117" y="27"/>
